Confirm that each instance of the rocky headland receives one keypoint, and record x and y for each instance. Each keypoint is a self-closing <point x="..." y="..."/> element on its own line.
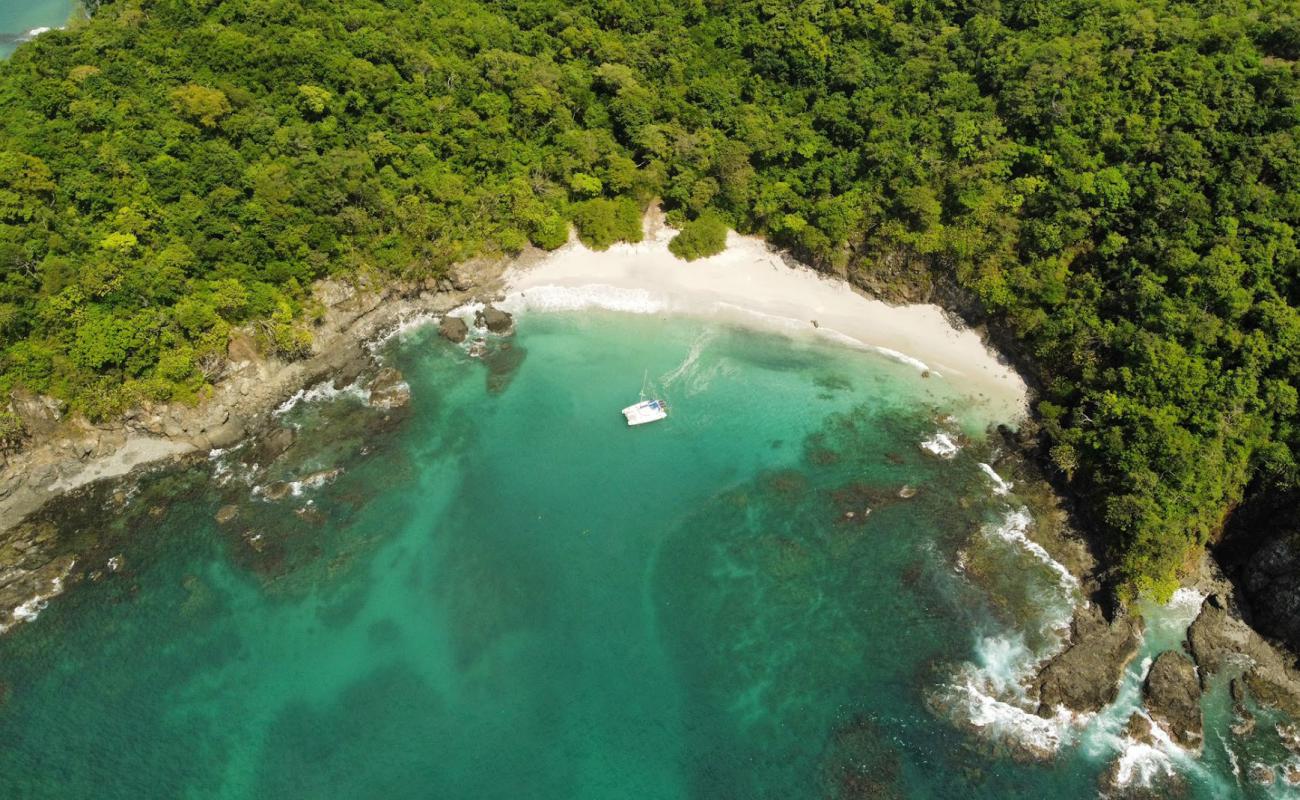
<point x="64" y="453"/>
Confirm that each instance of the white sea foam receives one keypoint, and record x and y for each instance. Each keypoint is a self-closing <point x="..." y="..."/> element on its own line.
<point x="1185" y="604"/>
<point x="34" y="32"/>
<point x="321" y="391"/>
<point x="1014" y="529"/>
<point x="941" y="445"/>
<point x="905" y="358"/>
<point x="1040" y="736"/>
<point x="578" y="298"/>
<point x="1140" y="763"/>
<point x="404" y="325"/>
<point x="839" y="337"/>
<point x="32" y="607"/>
<point x="1004" y="661"/>
<point x="1232" y="758"/>
<point x="296" y="488"/>
<point x="312" y="481"/>
<point x="1000" y="487"/>
<point x="990" y="697"/>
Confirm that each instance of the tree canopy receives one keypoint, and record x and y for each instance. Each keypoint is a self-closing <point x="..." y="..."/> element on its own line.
<point x="1114" y="182"/>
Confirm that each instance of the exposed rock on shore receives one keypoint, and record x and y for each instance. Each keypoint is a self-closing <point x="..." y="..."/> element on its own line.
<point x="1085" y="676"/>
<point x="1173" y="696"/>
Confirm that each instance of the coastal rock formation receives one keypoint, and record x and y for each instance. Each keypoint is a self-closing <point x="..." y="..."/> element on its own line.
<point x="1260" y="550"/>
<point x="1173" y="696"/>
<point x="453" y="329"/>
<point x="1271" y="578"/>
<point x="494" y="319"/>
<point x="350" y="372"/>
<point x="269" y="446"/>
<point x="39" y="415"/>
<point x="389" y="389"/>
<point x="1085" y="676"/>
<point x="1220" y="640"/>
<point x="31" y="572"/>
<point x="62" y="452"/>
<point x="277" y="490"/>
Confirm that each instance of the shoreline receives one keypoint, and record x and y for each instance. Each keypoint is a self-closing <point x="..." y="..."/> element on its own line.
<point x="753" y="285"/>
<point x="750" y="284"/>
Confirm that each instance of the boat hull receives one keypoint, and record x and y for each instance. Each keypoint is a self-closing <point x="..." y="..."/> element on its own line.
<point x="645" y="412"/>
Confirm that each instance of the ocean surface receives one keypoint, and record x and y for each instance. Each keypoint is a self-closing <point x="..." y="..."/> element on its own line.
<point x="791" y="588"/>
<point x="21" y="19"/>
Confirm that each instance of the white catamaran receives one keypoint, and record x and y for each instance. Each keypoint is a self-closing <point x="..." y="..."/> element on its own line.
<point x="648" y="410"/>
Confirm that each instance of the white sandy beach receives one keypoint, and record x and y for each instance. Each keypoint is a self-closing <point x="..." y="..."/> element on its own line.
<point x="749" y="284"/>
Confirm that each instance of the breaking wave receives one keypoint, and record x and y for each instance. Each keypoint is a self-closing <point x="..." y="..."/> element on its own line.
<point x="989" y="695"/>
<point x="1000" y="486"/>
<point x="1014" y="529"/>
<point x="578" y="298"/>
<point x="905" y="358"/>
<point x="321" y="392"/>
<point x="32" y="607"/>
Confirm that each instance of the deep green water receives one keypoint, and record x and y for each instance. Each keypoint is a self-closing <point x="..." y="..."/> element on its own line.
<point x="18" y="18"/>
<point x="506" y="593"/>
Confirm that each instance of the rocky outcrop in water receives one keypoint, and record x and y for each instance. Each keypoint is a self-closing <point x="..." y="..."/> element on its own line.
<point x="494" y="319"/>
<point x="270" y="446"/>
<point x="31" y="571"/>
<point x="453" y="329"/>
<point x="1085" y="676"/>
<point x="1172" y="693"/>
<point x="389" y="389"/>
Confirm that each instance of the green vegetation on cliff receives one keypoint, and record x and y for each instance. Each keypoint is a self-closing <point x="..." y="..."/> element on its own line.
<point x="1114" y="183"/>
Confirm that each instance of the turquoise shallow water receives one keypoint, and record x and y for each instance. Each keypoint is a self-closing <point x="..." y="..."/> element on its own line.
<point x="507" y="593"/>
<point x="19" y="17"/>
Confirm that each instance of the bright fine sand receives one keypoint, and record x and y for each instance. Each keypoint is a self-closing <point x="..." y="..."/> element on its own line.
<point x="749" y="284"/>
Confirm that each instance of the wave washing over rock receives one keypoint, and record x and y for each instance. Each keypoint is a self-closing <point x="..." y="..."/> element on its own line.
<point x="942" y="445"/>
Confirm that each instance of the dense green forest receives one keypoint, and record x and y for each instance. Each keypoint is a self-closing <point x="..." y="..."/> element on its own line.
<point x="1114" y="183"/>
